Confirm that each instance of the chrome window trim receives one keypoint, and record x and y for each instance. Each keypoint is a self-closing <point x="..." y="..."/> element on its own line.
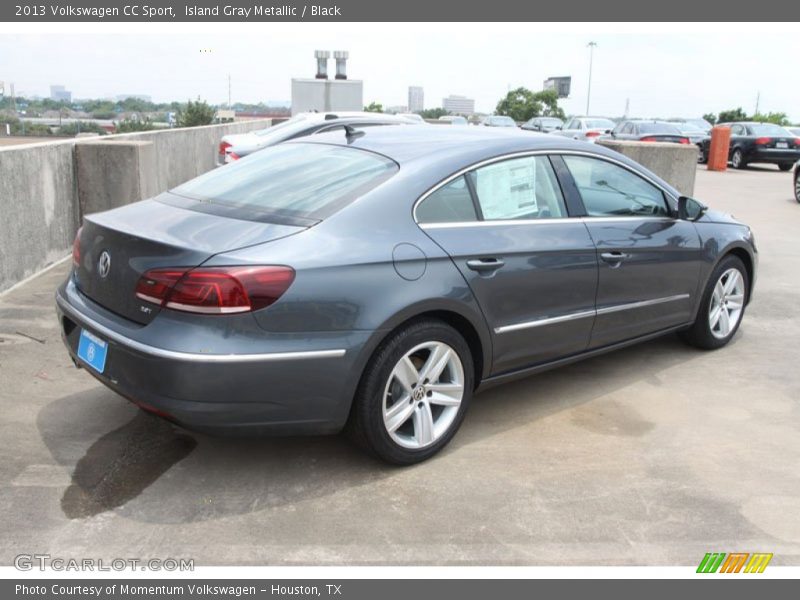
<point x="123" y="340"/>
<point x="588" y="313"/>
<point x="522" y="154"/>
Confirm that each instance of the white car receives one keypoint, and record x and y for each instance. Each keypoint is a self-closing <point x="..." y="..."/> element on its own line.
<point x="587" y="129"/>
<point x="235" y="146"/>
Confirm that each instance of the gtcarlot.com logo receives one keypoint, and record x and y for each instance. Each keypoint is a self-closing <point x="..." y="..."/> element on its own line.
<point x="735" y="562"/>
<point x="28" y="562"/>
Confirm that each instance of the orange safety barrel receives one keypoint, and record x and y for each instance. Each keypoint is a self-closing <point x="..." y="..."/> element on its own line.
<point x="718" y="148"/>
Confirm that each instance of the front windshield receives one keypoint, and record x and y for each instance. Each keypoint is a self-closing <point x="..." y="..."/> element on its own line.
<point x="289" y="128"/>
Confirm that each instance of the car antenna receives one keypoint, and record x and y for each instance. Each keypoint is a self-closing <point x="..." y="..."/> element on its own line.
<point x="351" y="133"/>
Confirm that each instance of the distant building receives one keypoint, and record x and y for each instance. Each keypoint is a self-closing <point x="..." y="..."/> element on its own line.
<point x="396" y="109"/>
<point x="459" y="105"/>
<point x="324" y="95"/>
<point x="59" y="93"/>
<point x="416" y="99"/>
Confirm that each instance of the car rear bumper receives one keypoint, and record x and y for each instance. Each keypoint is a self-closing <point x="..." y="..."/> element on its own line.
<point x="282" y="389"/>
<point x="774" y="155"/>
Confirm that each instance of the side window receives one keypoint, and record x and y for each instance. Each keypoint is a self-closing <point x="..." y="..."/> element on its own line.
<point x="572" y="125"/>
<point x="451" y="203"/>
<point x="519" y="188"/>
<point x="628" y="128"/>
<point x="736" y="130"/>
<point x="609" y="190"/>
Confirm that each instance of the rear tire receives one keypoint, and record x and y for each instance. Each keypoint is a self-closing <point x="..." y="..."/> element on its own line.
<point x="737" y="160"/>
<point x="721" y="307"/>
<point x="785" y="166"/>
<point x="414" y="393"/>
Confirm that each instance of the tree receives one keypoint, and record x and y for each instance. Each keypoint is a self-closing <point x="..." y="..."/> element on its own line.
<point x="76" y="127"/>
<point x="736" y="114"/>
<point x="433" y="113"/>
<point x="131" y="125"/>
<point x="522" y="104"/>
<point x="773" y="117"/>
<point x="711" y="118"/>
<point x="375" y="107"/>
<point x="196" y="114"/>
<point x="549" y="98"/>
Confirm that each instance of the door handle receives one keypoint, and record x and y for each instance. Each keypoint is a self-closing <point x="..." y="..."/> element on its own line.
<point x="485" y="265"/>
<point x="614" y="257"/>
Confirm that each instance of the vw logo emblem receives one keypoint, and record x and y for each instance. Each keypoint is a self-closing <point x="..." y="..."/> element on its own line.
<point x="104" y="264"/>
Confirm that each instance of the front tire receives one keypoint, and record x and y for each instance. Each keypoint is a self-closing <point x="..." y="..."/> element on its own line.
<point x="721" y="307"/>
<point x="785" y="166"/>
<point x="797" y="185"/>
<point x="414" y="393"/>
<point x="737" y="160"/>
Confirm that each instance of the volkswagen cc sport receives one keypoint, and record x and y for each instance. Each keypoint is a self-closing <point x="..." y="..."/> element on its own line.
<point x="374" y="280"/>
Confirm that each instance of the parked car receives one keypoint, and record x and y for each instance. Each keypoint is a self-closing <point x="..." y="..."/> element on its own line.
<point x="797" y="181"/>
<point x="498" y="121"/>
<point x="235" y="146"/>
<point x="378" y="278"/>
<point x="640" y="130"/>
<point x="587" y="129"/>
<point x="543" y="124"/>
<point x="700" y="124"/>
<point x="454" y="119"/>
<point x="760" y="143"/>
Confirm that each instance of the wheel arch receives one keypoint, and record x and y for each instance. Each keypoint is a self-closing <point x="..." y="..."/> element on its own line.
<point x="742" y="254"/>
<point x="471" y="326"/>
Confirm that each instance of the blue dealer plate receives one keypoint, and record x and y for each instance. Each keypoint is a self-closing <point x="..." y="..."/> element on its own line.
<point x="92" y="350"/>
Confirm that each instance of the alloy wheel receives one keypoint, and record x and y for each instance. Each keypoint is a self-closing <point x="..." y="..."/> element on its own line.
<point x="727" y="303"/>
<point x="423" y="395"/>
<point x="736" y="159"/>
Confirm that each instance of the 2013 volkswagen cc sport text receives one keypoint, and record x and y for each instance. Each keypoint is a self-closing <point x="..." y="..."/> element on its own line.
<point x="374" y="280"/>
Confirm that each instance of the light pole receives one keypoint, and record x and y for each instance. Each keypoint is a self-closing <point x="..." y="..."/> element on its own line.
<point x="591" y="46"/>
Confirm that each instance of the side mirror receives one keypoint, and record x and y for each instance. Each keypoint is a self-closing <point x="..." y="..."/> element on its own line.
<point x="690" y="209"/>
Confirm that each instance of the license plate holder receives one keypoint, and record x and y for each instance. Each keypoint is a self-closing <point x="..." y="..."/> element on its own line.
<point x="782" y="145"/>
<point x="92" y="350"/>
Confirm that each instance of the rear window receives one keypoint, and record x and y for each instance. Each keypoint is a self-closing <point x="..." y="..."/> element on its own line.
<point x="769" y="129"/>
<point x="291" y="183"/>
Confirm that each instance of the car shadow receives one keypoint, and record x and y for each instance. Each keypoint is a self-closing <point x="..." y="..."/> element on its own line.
<point x="176" y="476"/>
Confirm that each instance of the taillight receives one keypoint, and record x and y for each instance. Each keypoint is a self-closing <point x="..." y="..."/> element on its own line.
<point x="797" y="142"/>
<point x="592" y="133"/>
<point x="763" y="141"/>
<point x="648" y="139"/>
<point x="223" y="146"/>
<point x="76" y="248"/>
<point x="215" y="290"/>
<point x="684" y="141"/>
<point x="232" y="156"/>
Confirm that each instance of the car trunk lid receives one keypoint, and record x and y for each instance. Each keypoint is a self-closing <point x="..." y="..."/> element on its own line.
<point x="118" y="246"/>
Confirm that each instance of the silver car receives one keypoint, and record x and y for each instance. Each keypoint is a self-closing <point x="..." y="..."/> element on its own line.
<point x="587" y="129"/>
<point x="235" y="146"/>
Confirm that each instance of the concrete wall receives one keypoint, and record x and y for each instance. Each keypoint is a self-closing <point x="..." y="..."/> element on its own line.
<point x="45" y="188"/>
<point x="674" y="163"/>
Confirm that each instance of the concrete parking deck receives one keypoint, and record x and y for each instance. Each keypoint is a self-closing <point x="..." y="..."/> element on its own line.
<point x="653" y="455"/>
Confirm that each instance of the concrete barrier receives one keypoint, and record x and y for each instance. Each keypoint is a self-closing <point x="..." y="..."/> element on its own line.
<point x="45" y="188"/>
<point x="674" y="163"/>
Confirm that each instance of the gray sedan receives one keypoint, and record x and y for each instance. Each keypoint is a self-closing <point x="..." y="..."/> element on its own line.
<point x="375" y="280"/>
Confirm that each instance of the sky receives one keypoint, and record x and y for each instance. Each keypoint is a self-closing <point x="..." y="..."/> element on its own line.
<point x="661" y="70"/>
